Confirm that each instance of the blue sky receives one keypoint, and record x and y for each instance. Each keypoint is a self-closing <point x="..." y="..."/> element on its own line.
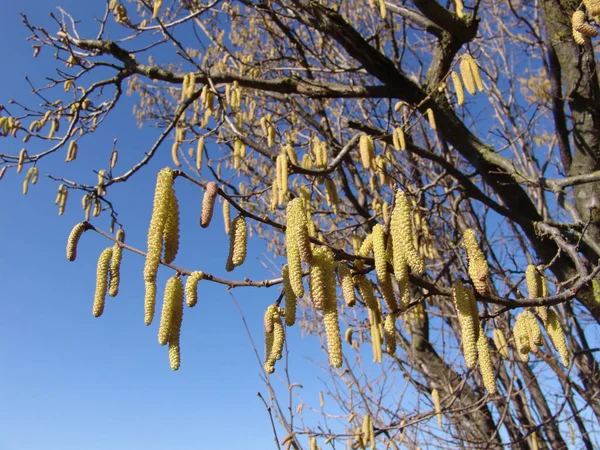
<point x="70" y="381"/>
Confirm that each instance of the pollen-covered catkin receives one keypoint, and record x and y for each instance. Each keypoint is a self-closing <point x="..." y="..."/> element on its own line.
<point x="172" y="298"/>
<point x="297" y="227"/>
<point x="171" y="231"/>
<point x="534" y="282"/>
<point x="485" y="363"/>
<point x="322" y="278"/>
<point x="579" y="24"/>
<point x="379" y="252"/>
<point x="101" y="281"/>
<point x="294" y="263"/>
<point x="521" y="336"/>
<point x="389" y="333"/>
<point x="175" y="334"/>
<point x="533" y="330"/>
<point x="115" y="265"/>
<point x="399" y="139"/>
<point x="431" y="118"/>
<point x="458" y="88"/>
<point x="208" y="203"/>
<point x="278" y="333"/>
<point x="238" y="239"/>
<point x="345" y="277"/>
<point x="73" y="240"/>
<point x="466" y="308"/>
<point x="160" y="212"/>
<point x="401" y="232"/>
<point x="592" y="7"/>
<point x="191" y="288"/>
<point x="149" y="301"/>
<point x="367" y="150"/>
<point x="290" y="297"/>
<point x="466" y="72"/>
<point x="557" y="336"/>
<point x="332" y="329"/>
<point x="435" y="396"/>
<point x="478" y="265"/>
<point x="226" y="215"/>
<point x="500" y="343"/>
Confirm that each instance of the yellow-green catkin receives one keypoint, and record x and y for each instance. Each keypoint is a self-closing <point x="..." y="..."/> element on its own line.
<point x="208" y="203"/>
<point x="73" y="240"/>
<point x="592" y="7"/>
<point x="521" y="336"/>
<point x="282" y="174"/>
<point x="276" y="342"/>
<point x="171" y="233"/>
<point x="238" y="241"/>
<point x="466" y="308"/>
<point x="290" y="297"/>
<point x="28" y="175"/>
<point x="172" y="297"/>
<point x="399" y="139"/>
<point x="191" y="288"/>
<point x="533" y="331"/>
<point x="175" y="334"/>
<point x="401" y="232"/>
<point x="557" y="336"/>
<point x="115" y="265"/>
<point x="435" y="396"/>
<point x="160" y="213"/>
<point x="500" y="343"/>
<point x="226" y="216"/>
<point x="365" y="288"/>
<point x="478" y="265"/>
<point x="389" y="333"/>
<point x="466" y="73"/>
<point x="321" y="279"/>
<point x="578" y="21"/>
<point x="458" y="88"/>
<point x="485" y="363"/>
<point x="297" y="226"/>
<point x="101" y="281"/>
<point x="534" y="281"/>
<point x="596" y="290"/>
<point x="345" y="277"/>
<point x="294" y="263"/>
<point x="367" y="150"/>
<point x="379" y="252"/>
<point x="431" y="118"/>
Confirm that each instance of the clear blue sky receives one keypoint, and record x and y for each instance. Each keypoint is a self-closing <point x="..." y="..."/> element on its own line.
<point x="70" y="381"/>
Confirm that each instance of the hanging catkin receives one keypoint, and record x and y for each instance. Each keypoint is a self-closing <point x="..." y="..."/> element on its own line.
<point x="555" y="331"/>
<point x="401" y="232"/>
<point x="238" y="239"/>
<point x="478" y="265"/>
<point x="115" y="264"/>
<point x="101" y="281"/>
<point x="73" y="240"/>
<point x="172" y="298"/>
<point x="485" y="363"/>
<point x="191" y="288"/>
<point x="290" y="297"/>
<point x="208" y="203"/>
<point x="466" y="308"/>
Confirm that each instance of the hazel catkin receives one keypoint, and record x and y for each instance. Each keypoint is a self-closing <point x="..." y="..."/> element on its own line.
<point x="191" y="288"/>
<point x="458" y="88"/>
<point x="401" y="231"/>
<point x="73" y="240"/>
<point x="478" y="265"/>
<point x="173" y="295"/>
<point x="367" y="150"/>
<point x="297" y="226"/>
<point x="238" y="239"/>
<point x="555" y="331"/>
<point x="485" y="363"/>
<point x="290" y="297"/>
<point x="171" y="230"/>
<point x="115" y="265"/>
<point x="322" y="279"/>
<point x="466" y="308"/>
<point x="345" y="277"/>
<point x="208" y="203"/>
<point x="500" y="343"/>
<point x="226" y="215"/>
<point x="101" y="281"/>
<point x="389" y="333"/>
<point x="435" y="396"/>
<point x="175" y="334"/>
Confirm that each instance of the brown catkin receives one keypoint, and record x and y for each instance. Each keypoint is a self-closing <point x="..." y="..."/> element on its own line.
<point x="401" y="232"/>
<point x="73" y="240"/>
<point x="101" y="281"/>
<point x="208" y="203"/>
<point x="290" y="297"/>
<point x="500" y="343"/>
<point x="191" y="288"/>
<point x="172" y="297"/>
<point x="466" y="308"/>
<point x="345" y="277"/>
<point x="485" y="363"/>
<point x="226" y="215"/>
<point x="171" y="231"/>
<point x="557" y="336"/>
<point x="115" y="265"/>
<point x="435" y="396"/>
<point x="478" y="265"/>
<point x="238" y="240"/>
<point x="458" y="88"/>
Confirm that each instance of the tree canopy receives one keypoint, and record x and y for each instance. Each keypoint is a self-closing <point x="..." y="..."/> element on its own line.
<point x="425" y="176"/>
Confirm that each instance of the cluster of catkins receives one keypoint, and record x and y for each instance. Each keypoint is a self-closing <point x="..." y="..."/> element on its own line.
<point x="583" y="31"/>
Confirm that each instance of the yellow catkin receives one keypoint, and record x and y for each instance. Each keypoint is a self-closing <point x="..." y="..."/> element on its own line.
<point x="62" y="201"/>
<point x="580" y="38"/>
<point x="399" y="139"/>
<point x="175" y="334"/>
<point x="458" y="88"/>
<point x="379" y="252"/>
<point x="156" y="8"/>
<point x="431" y="118"/>
<point x="273" y="327"/>
<point x="389" y="333"/>
<point x="401" y="232"/>
<point x="466" y="308"/>
<point x="596" y="290"/>
<point x="592" y="7"/>
<point x="521" y="336"/>
<point x="191" y="288"/>
<point x="345" y="277"/>
<point x="290" y="297"/>
<point x="282" y="174"/>
<point x="500" y="343"/>
<point x="171" y="231"/>
<point x="149" y="301"/>
<point x="321" y="282"/>
<point x="348" y="335"/>
<point x="466" y="73"/>
<point x="114" y="156"/>
<point x="238" y="240"/>
<point x="533" y="331"/>
<point x="101" y="281"/>
<point x="476" y="73"/>
<point x="478" y="265"/>
<point x="332" y="328"/>
<point x="199" y="152"/>
<point x="534" y="281"/>
<point x="382" y="9"/>
<point x="294" y="263"/>
<point x="297" y="227"/>
<point x="172" y="297"/>
<point x="115" y="265"/>
<point x="485" y="363"/>
<point x="160" y="212"/>
<point x="365" y="288"/>
<point x="208" y="203"/>
<point x="73" y="240"/>
<point x="71" y="151"/>
<point x="367" y="150"/>
<point x="579" y="24"/>
<point x="459" y="6"/>
<point x="226" y="216"/>
<point x="27" y="179"/>
<point x="435" y="396"/>
<point x="557" y="336"/>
